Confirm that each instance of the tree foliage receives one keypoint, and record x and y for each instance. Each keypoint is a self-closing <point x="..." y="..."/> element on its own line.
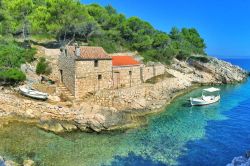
<point x="70" y="20"/>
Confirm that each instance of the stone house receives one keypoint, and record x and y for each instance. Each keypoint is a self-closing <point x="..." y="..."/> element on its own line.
<point x="86" y="70"/>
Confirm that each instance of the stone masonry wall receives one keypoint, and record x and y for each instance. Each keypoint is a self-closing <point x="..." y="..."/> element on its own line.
<point x="119" y="98"/>
<point x="159" y="69"/>
<point x="90" y="78"/>
<point x="66" y="64"/>
<point x="126" y="76"/>
<point x="149" y="72"/>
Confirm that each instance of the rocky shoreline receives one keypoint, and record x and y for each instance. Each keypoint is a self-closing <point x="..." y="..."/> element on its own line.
<point x="129" y="105"/>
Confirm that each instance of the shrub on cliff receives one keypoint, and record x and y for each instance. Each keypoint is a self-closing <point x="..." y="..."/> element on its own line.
<point x="11" y="76"/>
<point x="43" y="67"/>
<point x="12" y="54"/>
<point x="203" y="59"/>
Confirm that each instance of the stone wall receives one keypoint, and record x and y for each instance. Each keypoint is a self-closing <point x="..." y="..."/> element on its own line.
<point x="84" y="67"/>
<point x="52" y="52"/>
<point x="126" y="76"/>
<point x="147" y="73"/>
<point x="159" y="69"/>
<point x="90" y="78"/>
<point x="52" y="56"/>
<point x="120" y="98"/>
<point x="151" y="71"/>
<point x="66" y="65"/>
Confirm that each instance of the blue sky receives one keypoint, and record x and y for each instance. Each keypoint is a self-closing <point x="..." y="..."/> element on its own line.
<point x="224" y="24"/>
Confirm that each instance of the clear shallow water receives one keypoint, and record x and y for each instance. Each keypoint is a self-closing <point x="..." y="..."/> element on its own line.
<point x="182" y="135"/>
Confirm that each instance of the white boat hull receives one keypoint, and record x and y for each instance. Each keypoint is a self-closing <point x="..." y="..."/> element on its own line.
<point x="204" y="100"/>
<point x="33" y="93"/>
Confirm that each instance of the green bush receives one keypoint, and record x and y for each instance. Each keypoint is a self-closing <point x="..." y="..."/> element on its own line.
<point x="183" y="55"/>
<point x="203" y="59"/>
<point x="43" y="67"/>
<point x="12" y="76"/>
<point x="12" y="55"/>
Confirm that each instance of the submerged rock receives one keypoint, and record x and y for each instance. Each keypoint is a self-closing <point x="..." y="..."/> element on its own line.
<point x="69" y="127"/>
<point x="1" y="161"/>
<point x="53" y="127"/>
<point x="12" y="163"/>
<point x="28" y="163"/>
<point x="240" y="161"/>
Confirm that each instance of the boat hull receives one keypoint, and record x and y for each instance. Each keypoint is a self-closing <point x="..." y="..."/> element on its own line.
<point x="33" y="93"/>
<point x="202" y="102"/>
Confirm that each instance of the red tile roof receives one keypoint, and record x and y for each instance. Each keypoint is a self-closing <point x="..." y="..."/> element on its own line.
<point x="87" y="52"/>
<point x="124" y="61"/>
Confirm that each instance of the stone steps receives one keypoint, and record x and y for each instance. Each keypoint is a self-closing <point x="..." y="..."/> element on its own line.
<point x="63" y="90"/>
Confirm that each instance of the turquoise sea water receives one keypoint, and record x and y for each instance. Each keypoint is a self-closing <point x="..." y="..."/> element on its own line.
<point x="181" y="135"/>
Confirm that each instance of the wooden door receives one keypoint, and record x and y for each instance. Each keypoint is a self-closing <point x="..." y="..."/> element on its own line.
<point x="116" y="80"/>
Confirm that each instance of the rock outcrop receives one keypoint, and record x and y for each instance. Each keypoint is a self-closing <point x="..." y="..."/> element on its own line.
<point x="223" y="71"/>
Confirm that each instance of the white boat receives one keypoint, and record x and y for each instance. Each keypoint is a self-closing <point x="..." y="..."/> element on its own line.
<point x="27" y="91"/>
<point x="206" y="99"/>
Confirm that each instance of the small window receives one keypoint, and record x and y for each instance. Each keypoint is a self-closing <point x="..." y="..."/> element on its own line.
<point x="96" y="63"/>
<point x="99" y="77"/>
<point x="130" y="72"/>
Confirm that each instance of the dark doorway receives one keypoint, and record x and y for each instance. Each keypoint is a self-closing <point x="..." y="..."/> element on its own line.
<point x="116" y="79"/>
<point x="96" y="63"/>
<point x="99" y="79"/>
<point x="130" y="78"/>
<point x="61" y="75"/>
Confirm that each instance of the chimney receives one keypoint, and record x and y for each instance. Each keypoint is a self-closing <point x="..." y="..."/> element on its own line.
<point x="77" y="51"/>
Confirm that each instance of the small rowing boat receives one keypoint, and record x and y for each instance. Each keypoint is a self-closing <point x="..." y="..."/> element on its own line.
<point x="29" y="92"/>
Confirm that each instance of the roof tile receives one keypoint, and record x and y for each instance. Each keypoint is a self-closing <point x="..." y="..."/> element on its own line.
<point x="124" y="61"/>
<point x="87" y="52"/>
